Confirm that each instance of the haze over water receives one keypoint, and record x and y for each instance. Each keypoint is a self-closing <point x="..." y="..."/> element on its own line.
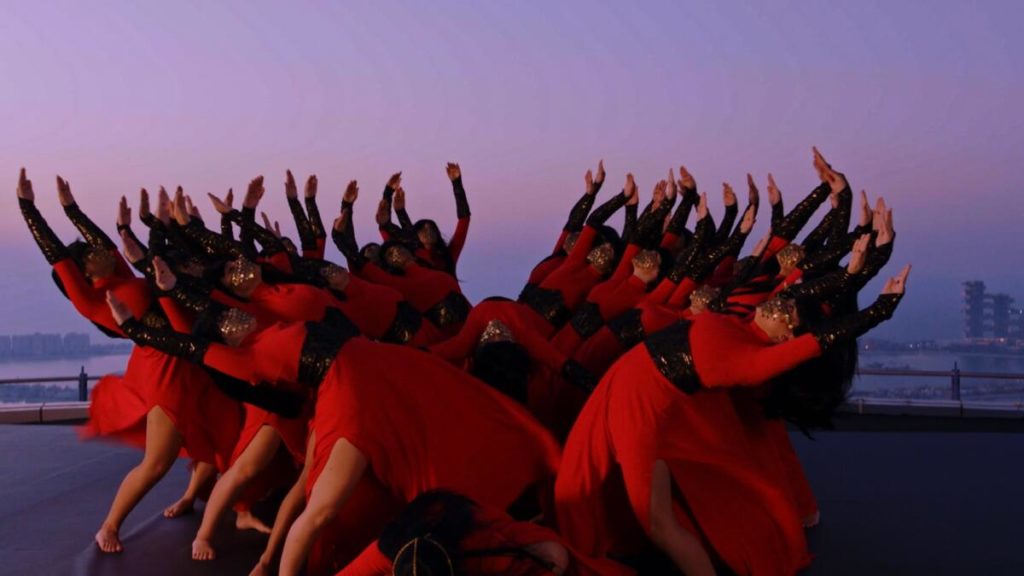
<point x="917" y="100"/>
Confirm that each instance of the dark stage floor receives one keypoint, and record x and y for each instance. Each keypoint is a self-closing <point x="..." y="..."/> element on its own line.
<point x="892" y="503"/>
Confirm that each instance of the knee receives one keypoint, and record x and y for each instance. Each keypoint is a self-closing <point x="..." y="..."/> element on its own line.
<point x="155" y="469"/>
<point x="663" y="528"/>
<point x="245" y="472"/>
<point x="320" y="516"/>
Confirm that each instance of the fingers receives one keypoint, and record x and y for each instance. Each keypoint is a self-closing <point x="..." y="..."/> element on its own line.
<point x="290" y="189"/>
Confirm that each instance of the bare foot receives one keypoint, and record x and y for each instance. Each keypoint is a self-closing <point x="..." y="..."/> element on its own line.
<point x="248" y="521"/>
<point x="812" y="520"/>
<point x="179" y="508"/>
<point x="108" y="541"/>
<point x="202" y="550"/>
<point x="262" y="569"/>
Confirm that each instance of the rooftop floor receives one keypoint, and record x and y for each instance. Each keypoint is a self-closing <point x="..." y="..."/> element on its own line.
<point x="905" y="502"/>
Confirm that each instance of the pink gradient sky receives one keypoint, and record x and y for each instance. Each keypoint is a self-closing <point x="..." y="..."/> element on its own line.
<point x="918" y="101"/>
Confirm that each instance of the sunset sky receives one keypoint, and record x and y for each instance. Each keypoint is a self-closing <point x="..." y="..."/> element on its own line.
<point x="919" y="101"/>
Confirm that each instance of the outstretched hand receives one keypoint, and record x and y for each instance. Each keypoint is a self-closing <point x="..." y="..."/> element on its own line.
<point x="254" y="193"/>
<point x="64" y="192"/>
<point x="25" y="191"/>
<point x="599" y="177"/>
<point x="395" y="181"/>
<point x="179" y="208"/>
<point x="311" y="186"/>
<point x="398" y="201"/>
<point x="222" y="206"/>
<point x="728" y="196"/>
<point x="686" y="181"/>
<point x="774" y="194"/>
<point x="274" y="227"/>
<point x="383" y="213"/>
<point x="858" y="254"/>
<point x="629" y="189"/>
<point x="124" y="213"/>
<point x="749" y="219"/>
<point x="144" y="212"/>
<point x="291" y="190"/>
<point x="897" y="284"/>
<point x="453" y="171"/>
<point x="164" y="209"/>
<point x="865" y="209"/>
<point x="702" y="206"/>
<point x="132" y="251"/>
<point x="162" y="275"/>
<point x="351" y="193"/>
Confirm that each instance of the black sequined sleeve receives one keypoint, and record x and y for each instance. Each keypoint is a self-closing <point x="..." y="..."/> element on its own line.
<point x="306" y="237"/>
<point x="629" y="224"/>
<point x="791" y="225"/>
<point x="315" y="221"/>
<point x="461" y="202"/>
<point x="728" y="220"/>
<point x="271" y="244"/>
<point x="49" y="244"/>
<point x="858" y="323"/>
<point x="677" y="224"/>
<point x="191" y="348"/>
<point x="602" y="213"/>
<point x="87" y="228"/>
<point x="346" y="243"/>
<point x="211" y="243"/>
<point x="227" y="229"/>
<point x="580" y="211"/>
<point x="403" y="219"/>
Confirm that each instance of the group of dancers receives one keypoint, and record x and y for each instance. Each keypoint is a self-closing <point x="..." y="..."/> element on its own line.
<point x="626" y="413"/>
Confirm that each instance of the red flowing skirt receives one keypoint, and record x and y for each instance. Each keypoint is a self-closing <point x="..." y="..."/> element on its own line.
<point x="724" y="495"/>
<point x="208" y="421"/>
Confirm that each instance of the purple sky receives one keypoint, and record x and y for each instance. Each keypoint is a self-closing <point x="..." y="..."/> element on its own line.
<point x="917" y="101"/>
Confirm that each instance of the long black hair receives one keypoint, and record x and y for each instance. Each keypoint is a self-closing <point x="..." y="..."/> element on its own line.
<point x="505" y="366"/>
<point x="426" y="538"/>
<point x="808" y="395"/>
<point x="439" y="250"/>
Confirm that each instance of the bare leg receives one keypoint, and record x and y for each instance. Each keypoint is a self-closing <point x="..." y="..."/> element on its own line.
<point x="342" y="472"/>
<point x="685" y="550"/>
<point x="290" y="509"/>
<point x="201" y="474"/>
<point x="256" y="456"/>
<point x="162" y="445"/>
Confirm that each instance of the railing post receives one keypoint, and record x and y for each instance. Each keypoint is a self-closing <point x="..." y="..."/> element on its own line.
<point x="955" y="381"/>
<point x="83" y="385"/>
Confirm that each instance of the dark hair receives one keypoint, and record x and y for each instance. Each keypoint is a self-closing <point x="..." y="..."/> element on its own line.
<point x="446" y="517"/>
<point x="207" y="323"/>
<point x="440" y="249"/>
<point x="808" y="395"/>
<point x="366" y="248"/>
<point x="504" y="366"/>
<point x="384" y="248"/>
<point x="79" y="250"/>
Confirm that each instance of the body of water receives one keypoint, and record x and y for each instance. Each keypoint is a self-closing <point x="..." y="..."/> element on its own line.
<point x="937" y="387"/>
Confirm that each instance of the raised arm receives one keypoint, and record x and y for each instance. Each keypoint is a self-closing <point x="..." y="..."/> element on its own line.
<point x="49" y="244"/>
<point x="458" y="239"/>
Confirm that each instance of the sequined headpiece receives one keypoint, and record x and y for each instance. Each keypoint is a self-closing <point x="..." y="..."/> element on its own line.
<point x="703" y="297"/>
<point x="395" y="256"/>
<point x="790" y="255"/>
<point x="780" y="310"/>
<point x="242" y="273"/>
<point x="647" y="259"/>
<point x="496" y="331"/>
<point x="235" y="322"/>
<point x="601" y="257"/>
<point x="413" y="547"/>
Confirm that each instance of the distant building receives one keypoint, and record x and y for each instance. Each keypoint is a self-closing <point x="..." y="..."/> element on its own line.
<point x="990" y="316"/>
<point x="76" y="343"/>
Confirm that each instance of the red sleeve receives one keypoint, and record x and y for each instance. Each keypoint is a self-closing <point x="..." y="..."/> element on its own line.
<point x="541" y="350"/>
<point x="668" y="241"/>
<point x="233" y="361"/>
<point x="774" y="245"/>
<point x="625" y="267"/>
<point x="682" y="292"/>
<point x="561" y="242"/>
<point x="583" y="245"/>
<point x="661" y="294"/>
<point x="626" y="295"/>
<point x="788" y="281"/>
<point x="180" y="318"/>
<point x="371" y="562"/>
<point x="458" y="240"/>
<point x="505" y="529"/>
<point x="461" y="346"/>
<point x="318" y="252"/>
<point x="722" y="359"/>
<point x="280" y="261"/>
<point x="83" y="296"/>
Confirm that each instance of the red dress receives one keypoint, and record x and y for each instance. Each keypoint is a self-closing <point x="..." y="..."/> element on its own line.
<point x="207" y="420"/>
<point x="495" y="530"/>
<point x="637" y="416"/>
<point x="435" y="294"/>
<point x="396" y="405"/>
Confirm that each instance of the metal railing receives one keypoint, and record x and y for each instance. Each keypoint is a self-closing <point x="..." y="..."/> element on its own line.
<point x="955" y="375"/>
<point x="83" y="380"/>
